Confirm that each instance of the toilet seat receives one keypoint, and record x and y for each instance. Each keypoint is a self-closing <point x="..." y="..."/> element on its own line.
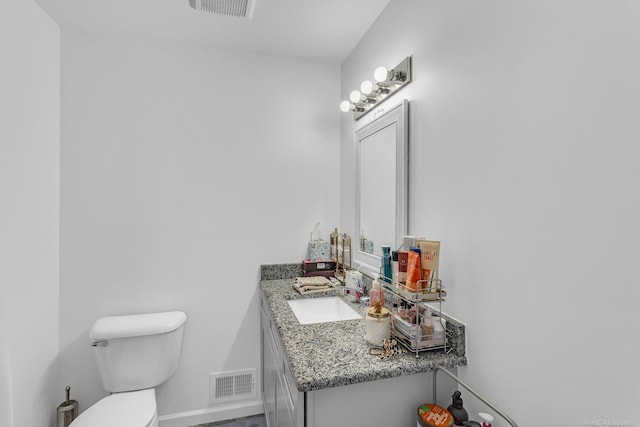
<point x="127" y="409"/>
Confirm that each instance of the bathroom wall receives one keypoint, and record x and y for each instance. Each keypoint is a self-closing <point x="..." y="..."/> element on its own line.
<point x="523" y="162"/>
<point x="29" y="185"/>
<point x="183" y="169"/>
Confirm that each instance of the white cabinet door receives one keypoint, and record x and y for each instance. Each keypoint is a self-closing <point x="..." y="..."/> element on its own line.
<point x="283" y="403"/>
<point x="269" y="375"/>
<point x="285" y="412"/>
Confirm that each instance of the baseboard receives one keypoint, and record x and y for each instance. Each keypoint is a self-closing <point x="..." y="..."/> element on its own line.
<point x="212" y="415"/>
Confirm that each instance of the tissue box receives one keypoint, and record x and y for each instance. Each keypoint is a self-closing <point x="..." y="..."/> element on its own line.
<point x="319" y="250"/>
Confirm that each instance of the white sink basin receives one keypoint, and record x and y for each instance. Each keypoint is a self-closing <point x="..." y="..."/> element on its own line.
<point x="321" y="310"/>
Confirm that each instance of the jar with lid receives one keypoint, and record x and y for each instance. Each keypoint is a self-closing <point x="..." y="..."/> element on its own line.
<point x="377" y="326"/>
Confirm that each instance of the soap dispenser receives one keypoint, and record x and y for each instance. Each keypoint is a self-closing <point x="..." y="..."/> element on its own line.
<point x="376" y="294"/>
<point x="460" y="414"/>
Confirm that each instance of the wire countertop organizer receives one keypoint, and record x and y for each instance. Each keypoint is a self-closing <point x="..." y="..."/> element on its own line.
<point x="411" y="335"/>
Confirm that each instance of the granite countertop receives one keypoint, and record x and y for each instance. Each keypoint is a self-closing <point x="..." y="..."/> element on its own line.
<point x="333" y="354"/>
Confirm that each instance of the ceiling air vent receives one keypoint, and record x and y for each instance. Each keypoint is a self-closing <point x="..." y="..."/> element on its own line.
<point x="235" y="8"/>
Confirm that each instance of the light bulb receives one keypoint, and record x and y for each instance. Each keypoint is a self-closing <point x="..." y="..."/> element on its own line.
<point x="345" y="106"/>
<point x="366" y="87"/>
<point x="355" y="96"/>
<point x="381" y="74"/>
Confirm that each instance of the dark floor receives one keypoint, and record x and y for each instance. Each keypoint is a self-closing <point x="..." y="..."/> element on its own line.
<point x="255" y="421"/>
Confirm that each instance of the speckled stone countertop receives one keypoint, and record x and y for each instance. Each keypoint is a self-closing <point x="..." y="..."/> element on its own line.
<point x="333" y="354"/>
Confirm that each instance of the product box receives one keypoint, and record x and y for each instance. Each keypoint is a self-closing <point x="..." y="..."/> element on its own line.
<point x="319" y="250"/>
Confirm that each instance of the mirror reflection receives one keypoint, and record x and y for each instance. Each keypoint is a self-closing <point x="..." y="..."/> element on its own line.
<point x="377" y="189"/>
<point x="381" y="185"/>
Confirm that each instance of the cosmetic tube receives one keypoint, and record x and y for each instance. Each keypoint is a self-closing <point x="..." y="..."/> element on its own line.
<point x="413" y="270"/>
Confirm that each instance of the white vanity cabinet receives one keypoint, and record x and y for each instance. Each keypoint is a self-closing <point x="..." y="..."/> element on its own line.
<point x="283" y="403"/>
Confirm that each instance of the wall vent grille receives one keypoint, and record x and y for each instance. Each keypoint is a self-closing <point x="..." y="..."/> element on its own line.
<point x="232" y="386"/>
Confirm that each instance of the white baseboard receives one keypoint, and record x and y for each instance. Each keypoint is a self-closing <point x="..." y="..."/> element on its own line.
<point x="212" y="415"/>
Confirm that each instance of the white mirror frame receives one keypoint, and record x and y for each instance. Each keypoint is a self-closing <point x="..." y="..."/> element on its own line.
<point x="397" y="116"/>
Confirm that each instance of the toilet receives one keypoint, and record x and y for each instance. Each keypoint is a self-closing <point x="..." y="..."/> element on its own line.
<point x="134" y="354"/>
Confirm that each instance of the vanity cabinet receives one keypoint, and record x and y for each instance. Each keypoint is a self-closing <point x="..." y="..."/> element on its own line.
<point x="322" y="375"/>
<point x="283" y="403"/>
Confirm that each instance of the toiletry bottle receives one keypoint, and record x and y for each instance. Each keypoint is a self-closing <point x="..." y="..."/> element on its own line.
<point x="402" y="313"/>
<point x="456" y="409"/>
<point x="427" y="325"/>
<point x="348" y="243"/>
<point x="394" y="268"/>
<point x="407" y="242"/>
<point x="487" y="419"/>
<point x="376" y="294"/>
<point x="333" y="248"/>
<point x="394" y="313"/>
<point x="411" y="315"/>
<point x="386" y="263"/>
<point x="438" y="328"/>
<point x="403" y="261"/>
<point x="413" y="270"/>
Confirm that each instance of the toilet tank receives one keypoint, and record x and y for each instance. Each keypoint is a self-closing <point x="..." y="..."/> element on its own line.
<point x="137" y="351"/>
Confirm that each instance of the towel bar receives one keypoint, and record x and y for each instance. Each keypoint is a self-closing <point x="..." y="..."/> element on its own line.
<point x="472" y="391"/>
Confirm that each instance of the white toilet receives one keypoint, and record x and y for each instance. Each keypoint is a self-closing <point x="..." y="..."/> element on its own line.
<point x="134" y="354"/>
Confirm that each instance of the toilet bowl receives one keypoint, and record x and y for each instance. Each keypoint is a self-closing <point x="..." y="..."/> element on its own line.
<point x="127" y="409"/>
<point x="134" y="354"/>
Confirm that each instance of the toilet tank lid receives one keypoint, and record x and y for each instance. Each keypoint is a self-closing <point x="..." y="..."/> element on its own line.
<point x="136" y="325"/>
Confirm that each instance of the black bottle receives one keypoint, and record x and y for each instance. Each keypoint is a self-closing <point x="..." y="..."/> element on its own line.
<point x="460" y="414"/>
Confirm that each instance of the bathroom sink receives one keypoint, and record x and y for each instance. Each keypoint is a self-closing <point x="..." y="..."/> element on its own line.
<point x="322" y="310"/>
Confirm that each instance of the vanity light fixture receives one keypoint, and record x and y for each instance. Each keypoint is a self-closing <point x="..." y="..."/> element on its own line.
<point x="371" y="94"/>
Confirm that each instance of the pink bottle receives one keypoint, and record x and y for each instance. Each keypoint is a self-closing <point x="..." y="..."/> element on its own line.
<point x="376" y="293"/>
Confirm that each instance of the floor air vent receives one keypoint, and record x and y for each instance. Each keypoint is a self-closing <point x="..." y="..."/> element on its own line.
<point x="231" y="386"/>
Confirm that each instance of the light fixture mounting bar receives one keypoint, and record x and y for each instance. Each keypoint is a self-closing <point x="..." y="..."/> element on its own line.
<point x="398" y="77"/>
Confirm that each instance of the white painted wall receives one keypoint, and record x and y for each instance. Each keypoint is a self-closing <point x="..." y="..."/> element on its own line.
<point x="29" y="214"/>
<point x="523" y="162"/>
<point x="183" y="169"/>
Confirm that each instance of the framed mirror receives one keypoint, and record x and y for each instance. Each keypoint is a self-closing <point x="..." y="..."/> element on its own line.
<point x="382" y="169"/>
